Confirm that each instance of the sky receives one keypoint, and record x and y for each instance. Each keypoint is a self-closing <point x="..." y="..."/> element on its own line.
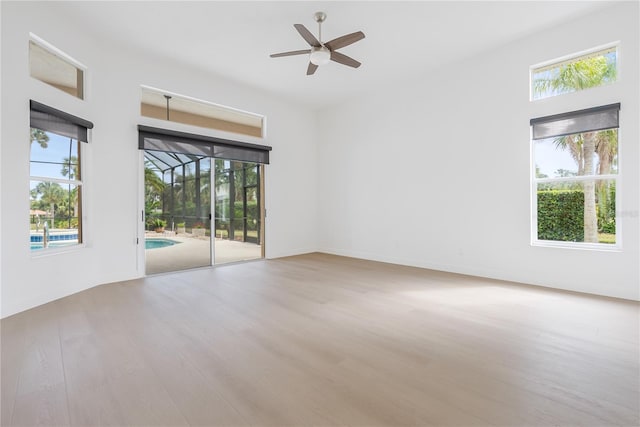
<point x="57" y="150"/>
<point x="549" y="159"/>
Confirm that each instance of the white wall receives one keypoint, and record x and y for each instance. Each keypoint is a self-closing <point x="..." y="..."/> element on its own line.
<point x="436" y="172"/>
<point x="112" y="171"/>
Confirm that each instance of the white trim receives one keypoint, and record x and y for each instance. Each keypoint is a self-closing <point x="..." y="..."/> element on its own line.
<point x="212" y="211"/>
<point x="57" y="180"/>
<point x="49" y="251"/>
<point x="619" y="191"/>
<point x="568" y="59"/>
<point x="57" y="52"/>
<point x="141" y="260"/>
<point x="577" y="178"/>
<point x="603" y="247"/>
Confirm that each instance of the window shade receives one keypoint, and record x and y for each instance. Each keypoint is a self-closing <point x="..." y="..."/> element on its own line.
<point x="150" y="138"/>
<point x="588" y="120"/>
<point x="52" y="120"/>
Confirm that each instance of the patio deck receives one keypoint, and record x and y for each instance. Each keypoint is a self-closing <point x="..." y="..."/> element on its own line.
<point x="194" y="252"/>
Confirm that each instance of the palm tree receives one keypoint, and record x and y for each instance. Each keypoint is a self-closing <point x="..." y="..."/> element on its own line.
<point x="582" y="74"/>
<point x="50" y="194"/>
<point x="607" y="151"/>
<point x="40" y="137"/>
<point x="70" y="167"/>
<point x="153" y="188"/>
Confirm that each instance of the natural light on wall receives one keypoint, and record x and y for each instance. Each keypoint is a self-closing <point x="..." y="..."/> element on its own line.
<point x="163" y="105"/>
<point x="576" y="73"/>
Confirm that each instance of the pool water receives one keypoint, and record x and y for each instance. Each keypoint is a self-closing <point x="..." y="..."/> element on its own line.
<point x="36" y="246"/>
<point x="159" y="243"/>
<point x="148" y="244"/>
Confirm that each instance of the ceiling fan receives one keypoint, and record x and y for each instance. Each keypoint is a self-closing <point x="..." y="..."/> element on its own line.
<point x="321" y="53"/>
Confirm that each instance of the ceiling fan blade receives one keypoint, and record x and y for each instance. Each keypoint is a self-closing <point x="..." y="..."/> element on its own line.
<point x="311" y="69"/>
<point x="344" y="59"/>
<point x="344" y="40"/>
<point x="293" y="52"/>
<point x="306" y="34"/>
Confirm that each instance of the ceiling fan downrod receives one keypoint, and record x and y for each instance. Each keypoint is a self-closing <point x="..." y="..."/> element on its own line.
<point x="320" y="17"/>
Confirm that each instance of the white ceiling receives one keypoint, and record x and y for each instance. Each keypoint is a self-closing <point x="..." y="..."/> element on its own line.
<point x="403" y="39"/>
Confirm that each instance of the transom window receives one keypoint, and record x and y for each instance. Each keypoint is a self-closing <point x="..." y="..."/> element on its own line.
<point x="172" y="107"/>
<point x="577" y="73"/>
<point x="53" y="67"/>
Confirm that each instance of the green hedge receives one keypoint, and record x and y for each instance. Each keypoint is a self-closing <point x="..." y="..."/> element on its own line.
<point x="238" y="221"/>
<point x="607" y="209"/>
<point x="561" y="215"/>
<point x="252" y="213"/>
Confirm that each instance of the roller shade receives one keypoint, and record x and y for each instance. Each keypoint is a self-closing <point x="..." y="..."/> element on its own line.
<point x="52" y="120"/>
<point x="150" y="138"/>
<point x="588" y="120"/>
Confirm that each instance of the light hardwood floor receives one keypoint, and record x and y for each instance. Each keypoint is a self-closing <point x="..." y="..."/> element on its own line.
<point x="322" y="340"/>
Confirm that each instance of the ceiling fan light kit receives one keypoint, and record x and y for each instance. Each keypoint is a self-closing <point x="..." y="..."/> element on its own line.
<point x="322" y="53"/>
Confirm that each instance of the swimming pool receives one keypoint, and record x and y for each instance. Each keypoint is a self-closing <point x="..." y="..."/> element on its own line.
<point x="158" y="243"/>
<point x="36" y="246"/>
<point x="53" y="237"/>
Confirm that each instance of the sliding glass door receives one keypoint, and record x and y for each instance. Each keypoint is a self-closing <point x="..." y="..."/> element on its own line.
<point x="178" y="194"/>
<point x="190" y="179"/>
<point x="238" y="211"/>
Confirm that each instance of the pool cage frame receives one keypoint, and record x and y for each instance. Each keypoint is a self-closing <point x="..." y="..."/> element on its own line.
<point x="173" y="167"/>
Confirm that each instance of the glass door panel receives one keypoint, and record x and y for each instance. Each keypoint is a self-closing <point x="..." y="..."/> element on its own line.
<point x="238" y="211"/>
<point x="177" y="211"/>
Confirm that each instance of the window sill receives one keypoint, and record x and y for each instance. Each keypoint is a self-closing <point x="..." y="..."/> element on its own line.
<point x="43" y="253"/>
<point x="600" y="247"/>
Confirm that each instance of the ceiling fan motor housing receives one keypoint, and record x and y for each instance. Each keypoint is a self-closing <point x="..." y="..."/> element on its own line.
<point x="320" y="17"/>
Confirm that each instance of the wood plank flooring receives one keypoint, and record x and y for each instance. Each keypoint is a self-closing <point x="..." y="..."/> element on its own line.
<point x="322" y="340"/>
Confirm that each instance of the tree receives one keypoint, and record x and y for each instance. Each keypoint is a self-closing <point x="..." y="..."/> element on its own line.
<point x="153" y="188"/>
<point x="40" y="136"/>
<point x="70" y="167"/>
<point x="607" y="151"/>
<point x="50" y="195"/>
<point x="584" y="147"/>
<point x="582" y="74"/>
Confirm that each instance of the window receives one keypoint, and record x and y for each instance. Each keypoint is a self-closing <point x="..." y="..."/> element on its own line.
<point x="56" y="185"/>
<point x="591" y="70"/>
<point x="181" y="109"/>
<point x="575" y="158"/>
<point x="54" y="68"/>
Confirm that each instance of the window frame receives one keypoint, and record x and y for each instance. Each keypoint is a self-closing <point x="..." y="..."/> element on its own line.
<point x="83" y="137"/>
<point x="535" y="181"/>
